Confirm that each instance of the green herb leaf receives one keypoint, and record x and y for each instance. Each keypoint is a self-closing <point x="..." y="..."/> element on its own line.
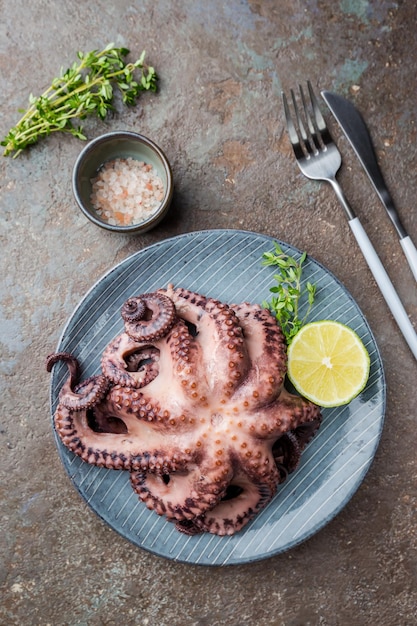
<point x="288" y="293"/>
<point x="86" y="88"/>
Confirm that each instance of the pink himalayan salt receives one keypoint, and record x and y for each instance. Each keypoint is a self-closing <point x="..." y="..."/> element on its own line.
<point x="126" y="191"/>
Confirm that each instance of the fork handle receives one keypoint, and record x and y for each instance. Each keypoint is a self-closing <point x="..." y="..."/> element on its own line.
<point x="385" y="285"/>
<point x="410" y="252"/>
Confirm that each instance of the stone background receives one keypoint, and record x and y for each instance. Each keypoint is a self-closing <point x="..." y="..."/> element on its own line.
<point x="218" y="117"/>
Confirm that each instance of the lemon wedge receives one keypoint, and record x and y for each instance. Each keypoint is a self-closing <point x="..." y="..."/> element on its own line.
<point x="328" y="363"/>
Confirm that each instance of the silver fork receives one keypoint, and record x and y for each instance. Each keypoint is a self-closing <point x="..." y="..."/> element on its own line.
<point x="319" y="159"/>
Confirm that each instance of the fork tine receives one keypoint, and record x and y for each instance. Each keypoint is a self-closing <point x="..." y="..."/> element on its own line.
<point x="318" y="118"/>
<point x="290" y="125"/>
<point x="320" y="135"/>
<point x="300" y="139"/>
<point x="296" y="141"/>
<point x="311" y="127"/>
<point x="300" y="124"/>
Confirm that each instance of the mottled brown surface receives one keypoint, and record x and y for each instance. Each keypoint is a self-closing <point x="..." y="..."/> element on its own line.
<point x="218" y="116"/>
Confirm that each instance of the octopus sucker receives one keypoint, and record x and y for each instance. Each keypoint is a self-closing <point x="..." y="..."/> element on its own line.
<point x="191" y="402"/>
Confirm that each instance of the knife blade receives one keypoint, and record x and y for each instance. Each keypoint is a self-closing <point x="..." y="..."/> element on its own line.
<point x="356" y="131"/>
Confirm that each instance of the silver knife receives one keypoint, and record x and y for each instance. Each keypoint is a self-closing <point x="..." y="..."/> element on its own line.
<point x="355" y="129"/>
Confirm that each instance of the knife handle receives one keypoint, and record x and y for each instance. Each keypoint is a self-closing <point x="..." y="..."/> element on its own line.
<point x="410" y="252"/>
<point x="385" y="285"/>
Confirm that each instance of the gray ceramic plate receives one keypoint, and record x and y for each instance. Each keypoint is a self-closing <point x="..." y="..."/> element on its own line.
<point x="226" y="264"/>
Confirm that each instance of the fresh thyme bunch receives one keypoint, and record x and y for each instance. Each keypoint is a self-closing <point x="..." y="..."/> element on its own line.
<point x="86" y="88"/>
<point x="285" y="303"/>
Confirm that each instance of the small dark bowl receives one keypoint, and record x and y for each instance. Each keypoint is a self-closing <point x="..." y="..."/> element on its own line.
<point x="120" y="144"/>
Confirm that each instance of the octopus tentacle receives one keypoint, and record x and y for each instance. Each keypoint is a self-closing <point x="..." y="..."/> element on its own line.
<point x="254" y="439"/>
<point x="70" y="360"/>
<point x="180" y="371"/>
<point x="287" y="453"/>
<point x="101" y="437"/>
<point x="131" y="402"/>
<point x="130" y="363"/>
<point x="241" y="502"/>
<point x="225" y="361"/>
<point x="186" y="356"/>
<point x="287" y="413"/>
<point x="305" y="432"/>
<point x="73" y="396"/>
<point x="182" y="495"/>
<point x="267" y="353"/>
<point x="148" y="317"/>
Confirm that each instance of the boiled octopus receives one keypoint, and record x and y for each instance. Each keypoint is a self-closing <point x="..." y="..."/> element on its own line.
<point x="191" y="401"/>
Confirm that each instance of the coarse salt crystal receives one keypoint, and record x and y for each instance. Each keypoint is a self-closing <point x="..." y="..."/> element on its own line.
<point x="126" y="191"/>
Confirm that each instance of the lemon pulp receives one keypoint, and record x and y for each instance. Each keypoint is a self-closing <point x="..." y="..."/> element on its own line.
<point x="328" y="363"/>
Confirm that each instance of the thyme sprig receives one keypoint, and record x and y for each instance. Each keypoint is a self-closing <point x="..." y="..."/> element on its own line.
<point x="288" y="292"/>
<point x="86" y="88"/>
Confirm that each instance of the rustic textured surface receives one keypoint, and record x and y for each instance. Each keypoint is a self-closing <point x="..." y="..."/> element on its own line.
<point x="218" y="116"/>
